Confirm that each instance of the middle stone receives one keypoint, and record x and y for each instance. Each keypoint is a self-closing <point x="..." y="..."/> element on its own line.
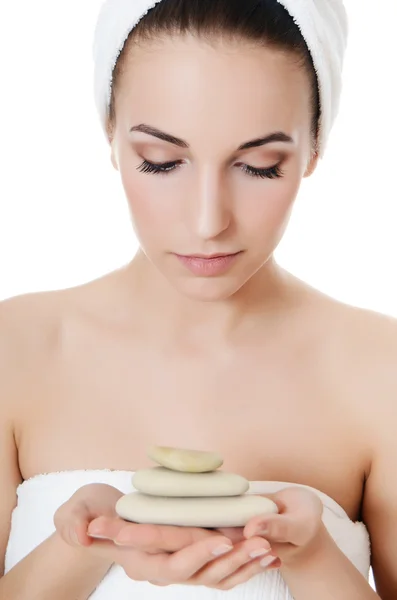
<point x="159" y="481"/>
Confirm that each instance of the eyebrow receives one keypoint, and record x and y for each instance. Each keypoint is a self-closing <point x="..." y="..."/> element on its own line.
<point x="277" y="136"/>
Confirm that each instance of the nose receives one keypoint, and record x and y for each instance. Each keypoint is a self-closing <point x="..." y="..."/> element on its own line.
<point x="213" y="210"/>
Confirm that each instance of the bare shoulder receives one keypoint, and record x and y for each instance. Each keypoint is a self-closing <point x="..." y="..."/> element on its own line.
<point x="27" y="323"/>
<point x="361" y="340"/>
<point x="361" y="348"/>
<point x="358" y="348"/>
<point x="370" y="333"/>
<point x="32" y="327"/>
<point x="34" y="320"/>
<point x="28" y="329"/>
<point x="367" y="341"/>
<point x="22" y="315"/>
<point x="368" y="349"/>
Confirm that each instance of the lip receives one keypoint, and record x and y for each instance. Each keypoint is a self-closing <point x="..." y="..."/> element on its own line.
<point x="209" y="256"/>
<point x="208" y="265"/>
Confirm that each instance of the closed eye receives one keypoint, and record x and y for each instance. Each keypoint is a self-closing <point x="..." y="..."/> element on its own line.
<point x="268" y="173"/>
<point x="274" y="172"/>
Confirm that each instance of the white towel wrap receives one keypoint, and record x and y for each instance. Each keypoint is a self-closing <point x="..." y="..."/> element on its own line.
<point x="323" y="24"/>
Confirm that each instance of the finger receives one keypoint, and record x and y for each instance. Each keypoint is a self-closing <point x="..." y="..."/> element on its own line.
<point x="154" y="538"/>
<point x="281" y="530"/>
<point x="124" y="534"/>
<point x="298" y="501"/>
<point x="106" y="549"/>
<point x="225" y="566"/>
<point x="248" y="571"/>
<point x="106" y="528"/>
<point x="235" y="534"/>
<point x="71" y="520"/>
<point x="99" y="499"/>
<point x="300" y="515"/>
<point x="263" y="525"/>
<point x="182" y="565"/>
<point x="71" y="524"/>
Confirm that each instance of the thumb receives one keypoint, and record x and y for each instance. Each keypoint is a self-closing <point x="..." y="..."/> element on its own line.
<point x="275" y="528"/>
<point x="71" y="520"/>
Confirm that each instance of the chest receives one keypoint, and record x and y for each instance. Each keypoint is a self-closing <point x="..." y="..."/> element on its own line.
<point x="271" y="420"/>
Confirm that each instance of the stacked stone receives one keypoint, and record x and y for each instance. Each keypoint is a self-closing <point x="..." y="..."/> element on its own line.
<point x="187" y="490"/>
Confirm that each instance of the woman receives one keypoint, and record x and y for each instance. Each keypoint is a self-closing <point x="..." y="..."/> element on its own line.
<point x="217" y="111"/>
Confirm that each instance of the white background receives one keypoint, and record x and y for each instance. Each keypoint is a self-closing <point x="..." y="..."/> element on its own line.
<point x="63" y="217"/>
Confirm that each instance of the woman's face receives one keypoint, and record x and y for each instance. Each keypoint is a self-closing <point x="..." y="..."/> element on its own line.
<point x="211" y="142"/>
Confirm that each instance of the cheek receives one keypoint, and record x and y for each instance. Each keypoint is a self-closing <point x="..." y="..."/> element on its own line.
<point x="265" y="212"/>
<point x="152" y="211"/>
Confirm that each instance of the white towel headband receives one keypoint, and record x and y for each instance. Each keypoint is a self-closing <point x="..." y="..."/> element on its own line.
<point x="323" y="24"/>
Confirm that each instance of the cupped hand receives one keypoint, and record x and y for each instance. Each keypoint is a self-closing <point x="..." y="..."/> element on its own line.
<point x="295" y="531"/>
<point x="90" y="515"/>
<point x="162" y="555"/>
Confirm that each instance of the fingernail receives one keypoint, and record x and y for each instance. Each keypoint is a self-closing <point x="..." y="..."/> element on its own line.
<point x="74" y="538"/>
<point x="96" y="536"/>
<point x="268" y="560"/>
<point x="222" y="550"/>
<point x="259" y="552"/>
<point x="121" y="542"/>
<point x="264" y="532"/>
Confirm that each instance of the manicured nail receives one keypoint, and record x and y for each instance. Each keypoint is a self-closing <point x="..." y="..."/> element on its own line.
<point x="268" y="560"/>
<point x="259" y="552"/>
<point x="121" y="542"/>
<point x="222" y="550"/>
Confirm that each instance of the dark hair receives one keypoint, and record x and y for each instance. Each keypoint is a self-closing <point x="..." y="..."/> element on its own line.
<point x="264" y="22"/>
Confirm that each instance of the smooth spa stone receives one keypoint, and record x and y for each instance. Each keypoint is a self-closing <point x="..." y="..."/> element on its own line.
<point x="160" y="481"/>
<point x="187" y="461"/>
<point x="193" y="512"/>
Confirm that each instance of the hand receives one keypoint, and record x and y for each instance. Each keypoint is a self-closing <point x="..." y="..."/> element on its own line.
<point x="162" y="555"/>
<point x="296" y="530"/>
<point x="90" y="514"/>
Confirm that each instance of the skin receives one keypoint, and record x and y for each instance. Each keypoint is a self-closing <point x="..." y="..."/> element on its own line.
<point x="89" y="354"/>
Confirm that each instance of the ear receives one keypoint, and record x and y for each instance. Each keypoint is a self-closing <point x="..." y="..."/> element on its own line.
<point x="112" y="143"/>
<point x="113" y="157"/>
<point x="311" y="167"/>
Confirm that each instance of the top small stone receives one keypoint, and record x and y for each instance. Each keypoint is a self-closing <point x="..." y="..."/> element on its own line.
<point x="187" y="461"/>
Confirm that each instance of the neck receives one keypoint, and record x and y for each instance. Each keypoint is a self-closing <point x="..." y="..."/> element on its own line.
<point x="265" y="297"/>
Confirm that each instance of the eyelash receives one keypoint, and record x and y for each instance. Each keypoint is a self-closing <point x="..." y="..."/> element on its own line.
<point x="165" y="168"/>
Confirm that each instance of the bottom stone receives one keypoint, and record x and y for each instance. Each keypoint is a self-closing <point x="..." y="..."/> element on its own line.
<point x="193" y="512"/>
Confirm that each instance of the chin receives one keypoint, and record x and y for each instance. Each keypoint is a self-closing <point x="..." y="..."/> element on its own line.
<point x="216" y="289"/>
